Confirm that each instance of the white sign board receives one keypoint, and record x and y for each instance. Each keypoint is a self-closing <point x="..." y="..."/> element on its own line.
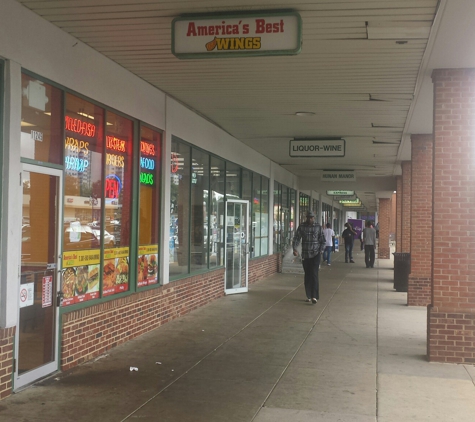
<point x="237" y="34"/>
<point x="27" y="294"/>
<point x="317" y="148"/>
<point x="338" y="176"/>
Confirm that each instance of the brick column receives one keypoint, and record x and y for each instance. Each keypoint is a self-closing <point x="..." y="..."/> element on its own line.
<point x="384" y="217"/>
<point x="406" y="206"/>
<point x="451" y="316"/>
<point x="419" y="287"/>
<point x="399" y="214"/>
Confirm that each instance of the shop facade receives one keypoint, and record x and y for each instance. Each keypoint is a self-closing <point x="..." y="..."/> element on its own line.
<point x="121" y="208"/>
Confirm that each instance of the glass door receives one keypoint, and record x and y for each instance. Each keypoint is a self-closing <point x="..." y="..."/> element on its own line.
<point x="36" y="349"/>
<point x="237" y="246"/>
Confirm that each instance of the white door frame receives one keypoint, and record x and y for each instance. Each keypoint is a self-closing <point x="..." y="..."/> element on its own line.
<point x="245" y="246"/>
<point x="29" y="377"/>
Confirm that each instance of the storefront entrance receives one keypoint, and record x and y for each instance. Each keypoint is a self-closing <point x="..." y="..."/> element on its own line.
<point x="237" y="246"/>
<point x="36" y="348"/>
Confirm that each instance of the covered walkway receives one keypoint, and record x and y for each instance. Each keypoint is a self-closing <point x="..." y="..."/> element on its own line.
<point x="268" y="356"/>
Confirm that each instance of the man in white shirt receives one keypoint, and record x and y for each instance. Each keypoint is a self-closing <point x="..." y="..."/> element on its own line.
<point x="329" y="235"/>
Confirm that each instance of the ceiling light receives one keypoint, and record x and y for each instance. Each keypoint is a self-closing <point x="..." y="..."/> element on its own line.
<point x="305" y="113"/>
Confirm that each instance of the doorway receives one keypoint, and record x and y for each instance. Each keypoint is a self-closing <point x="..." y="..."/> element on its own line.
<point x="36" y="348"/>
<point x="237" y="246"/>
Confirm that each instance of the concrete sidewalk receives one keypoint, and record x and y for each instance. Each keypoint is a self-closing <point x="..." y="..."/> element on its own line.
<point x="357" y="355"/>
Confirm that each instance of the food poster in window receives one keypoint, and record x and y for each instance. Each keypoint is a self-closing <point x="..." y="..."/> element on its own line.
<point x="115" y="233"/>
<point x="83" y="149"/>
<point x="80" y="278"/>
<point x="116" y="271"/>
<point x="147" y="265"/>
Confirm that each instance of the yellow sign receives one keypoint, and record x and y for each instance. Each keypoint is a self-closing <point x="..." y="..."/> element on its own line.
<point x="78" y="258"/>
<point x="148" y="249"/>
<point x="116" y="253"/>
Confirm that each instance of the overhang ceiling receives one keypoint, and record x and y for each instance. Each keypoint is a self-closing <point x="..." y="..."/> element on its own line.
<point x="360" y="71"/>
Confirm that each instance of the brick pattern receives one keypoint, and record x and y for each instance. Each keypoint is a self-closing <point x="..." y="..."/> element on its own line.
<point x="92" y="331"/>
<point x="453" y="272"/>
<point x="399" y="214"/>
<point x="7" y="338"/>
<point x="451" y="337"/>
<point x="406" y="207"/>
<point x="384" y="218"/>
<point x="419" y="291"/>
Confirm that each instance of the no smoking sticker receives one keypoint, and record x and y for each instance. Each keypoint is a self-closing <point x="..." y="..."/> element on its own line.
<point x="27" y="294"/>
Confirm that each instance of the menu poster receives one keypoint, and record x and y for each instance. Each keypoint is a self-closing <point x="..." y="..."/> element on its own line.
<point x="116" y="271"/>
<point x="80" y="276"/>
<point x="147" y="265"/>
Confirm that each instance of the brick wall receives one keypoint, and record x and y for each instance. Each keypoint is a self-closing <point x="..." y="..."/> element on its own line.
<point x="406" y="207"/>
<point x="419" y="286"/>
<point x="92" y="331"/>
<point x="399" y="214"/>
<point x="451" y="316"/>
<point x="384" y="218"/>
<point x="7" y="338"/>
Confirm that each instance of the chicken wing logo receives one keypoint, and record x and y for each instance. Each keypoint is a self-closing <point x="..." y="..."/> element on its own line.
<point x="231" y="44"/>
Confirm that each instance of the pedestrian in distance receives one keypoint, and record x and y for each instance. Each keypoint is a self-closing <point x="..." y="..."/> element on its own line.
<point x="329" y="236"/>
<point x="369" y="239"/>
<point x="310" y="234"/>
<point x="349" y="237"/>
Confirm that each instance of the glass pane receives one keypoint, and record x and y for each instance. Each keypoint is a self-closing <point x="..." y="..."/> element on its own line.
<point x="41" y="123"/>
<point x="200" y="242"/>
<point x="180" y="182"/>
<point x="277" y="206"/>
<point x="217" y="212"/>
<point x="247" y="176"/>
<point x="149" y="206"/>
<point x="118" y="204"/>
<point x="256" y="215"/>
<point x="233" y="181"/>
<point x="38" y="271"/>
<point x="84" y="125"/>
<point x="264" y="216"/>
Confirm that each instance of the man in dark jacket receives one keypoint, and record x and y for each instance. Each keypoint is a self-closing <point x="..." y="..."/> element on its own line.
<point x="313" y="241"/>
<point x="349" y="237"/>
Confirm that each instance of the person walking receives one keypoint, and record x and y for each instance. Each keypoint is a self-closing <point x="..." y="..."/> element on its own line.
<point x="349" y="237"/>
<point x="369" y="239"/>
<point x="311" y="235"/>
<point x="329" y="235"/>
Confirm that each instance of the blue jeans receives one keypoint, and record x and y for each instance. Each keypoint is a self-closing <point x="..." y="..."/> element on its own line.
<point x="348" y="251"/>
<point x="327" y="254"/>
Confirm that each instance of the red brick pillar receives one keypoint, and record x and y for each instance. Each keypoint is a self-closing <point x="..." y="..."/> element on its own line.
<point x="384" y="217"/>
<point x="451" y="316"/>
<point x="406" y="207"/>
<point x="399" y="214"/>
<point x="419" y="287"/>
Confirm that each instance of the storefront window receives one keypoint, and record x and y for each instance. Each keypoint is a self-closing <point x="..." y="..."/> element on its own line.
<point x="118" y="204"/>
<point x="264" y="215"/>
<point x="246" y="195"/>
<point x="256" y="214"/>
<point x="200" y="242"/>
<point x="84" y="125"/>
<point x="149" y="206"/>
<point x="41" y="125"/>
<point x="217" y="211"/>
<point x="233" y="181"/>
<point x="180" y="182"/>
